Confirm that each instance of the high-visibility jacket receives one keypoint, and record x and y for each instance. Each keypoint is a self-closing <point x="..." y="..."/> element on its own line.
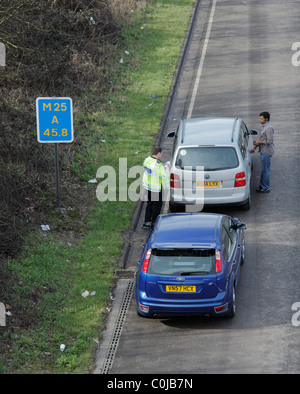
<point x="155" y="175"/>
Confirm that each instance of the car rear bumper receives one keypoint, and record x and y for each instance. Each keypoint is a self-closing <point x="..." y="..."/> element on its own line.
<point x="238" y="196"/>
<point x="172" y="307"/>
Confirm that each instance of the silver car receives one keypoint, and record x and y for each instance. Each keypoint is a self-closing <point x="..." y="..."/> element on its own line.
<point x="211" y="163"/>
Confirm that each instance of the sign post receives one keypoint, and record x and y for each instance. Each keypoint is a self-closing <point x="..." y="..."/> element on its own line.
<point x="2" y="315"/>
<point x="2" y="55"/>
<point x="54" y="116"/>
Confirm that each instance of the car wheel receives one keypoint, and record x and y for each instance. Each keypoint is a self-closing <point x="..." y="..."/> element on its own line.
<point x="247" y="204"/>
<point x="141" y="315"/>
<point x="232" y="310"/>
<point x="243" y="253"/>
<point x="174" y="208"/>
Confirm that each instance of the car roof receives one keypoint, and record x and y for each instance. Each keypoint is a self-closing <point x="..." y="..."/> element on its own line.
<point x="186" y="230"/>
<point x="204" y="131"/>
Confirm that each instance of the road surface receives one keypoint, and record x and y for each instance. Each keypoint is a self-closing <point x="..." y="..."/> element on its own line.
<point x="238" y="63"/>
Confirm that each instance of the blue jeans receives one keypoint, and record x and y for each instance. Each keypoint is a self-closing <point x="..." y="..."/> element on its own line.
<point x="265" y="164"/>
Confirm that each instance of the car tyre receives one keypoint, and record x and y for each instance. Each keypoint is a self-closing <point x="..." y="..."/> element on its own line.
<point x="141" y="315"/>
<point x="175" y="208"/>
<point x="247" y="204"/>
<point x="232" y="310"/>
<point x="243" y="253"/>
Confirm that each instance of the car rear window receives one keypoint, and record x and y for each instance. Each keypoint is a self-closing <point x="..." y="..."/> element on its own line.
<point x="211" y="158"/>
<point x="182" y="262"/>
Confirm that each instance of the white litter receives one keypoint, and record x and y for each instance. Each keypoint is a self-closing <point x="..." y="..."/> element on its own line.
<point x="111" y="297"/>
<point x="85" y="294"/>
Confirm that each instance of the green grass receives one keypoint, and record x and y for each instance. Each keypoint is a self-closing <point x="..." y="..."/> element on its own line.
<point x="51" y="275"/>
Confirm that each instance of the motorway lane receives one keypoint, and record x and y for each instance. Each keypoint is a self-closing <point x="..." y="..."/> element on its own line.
<point x="247" y="69"/>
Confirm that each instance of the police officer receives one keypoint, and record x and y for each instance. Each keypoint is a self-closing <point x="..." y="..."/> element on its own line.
<point x="156" y="178"/>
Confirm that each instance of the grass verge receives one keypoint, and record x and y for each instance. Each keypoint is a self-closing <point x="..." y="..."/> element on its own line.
<point x="53" y="272"/>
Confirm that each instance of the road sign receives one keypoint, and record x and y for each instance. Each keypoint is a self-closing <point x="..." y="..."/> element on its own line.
<point x="54" y="116"/>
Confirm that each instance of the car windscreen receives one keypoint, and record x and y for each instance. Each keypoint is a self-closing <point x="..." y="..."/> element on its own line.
<point x="212" y="158"/>
<point x="182" y="262"/>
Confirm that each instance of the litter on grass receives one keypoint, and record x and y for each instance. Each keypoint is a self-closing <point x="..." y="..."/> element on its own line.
<point x="87" y="293"/>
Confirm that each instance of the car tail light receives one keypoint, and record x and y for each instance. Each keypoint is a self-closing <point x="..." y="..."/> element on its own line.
<point x="144" y="308"/>
<point x="146" y="261"/>
<point x="218" y="261"/>
<point x="221" y="308"/>
<point x="175" y="181"/>
<point x="240" y="179"/>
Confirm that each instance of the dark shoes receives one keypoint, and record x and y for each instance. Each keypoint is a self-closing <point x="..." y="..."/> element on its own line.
<point x="147" y="225"/>
<point x="261" y="190"/>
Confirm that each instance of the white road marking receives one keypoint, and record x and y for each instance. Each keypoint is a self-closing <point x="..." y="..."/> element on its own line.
<point x="199" y="72"/>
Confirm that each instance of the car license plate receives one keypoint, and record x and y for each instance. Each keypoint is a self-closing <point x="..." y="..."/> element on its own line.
<point x="208" y="184"/>
<point x="180" y="289"/>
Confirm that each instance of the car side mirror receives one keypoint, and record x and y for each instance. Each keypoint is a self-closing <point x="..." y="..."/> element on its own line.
<point x="241" y="225"/>
<point x="253" y="132"/>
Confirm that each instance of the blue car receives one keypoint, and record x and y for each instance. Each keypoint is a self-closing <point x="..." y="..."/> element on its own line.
<point x="190" y="265"/>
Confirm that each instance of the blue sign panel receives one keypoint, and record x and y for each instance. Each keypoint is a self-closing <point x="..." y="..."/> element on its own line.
<point x="54" y="116"/>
